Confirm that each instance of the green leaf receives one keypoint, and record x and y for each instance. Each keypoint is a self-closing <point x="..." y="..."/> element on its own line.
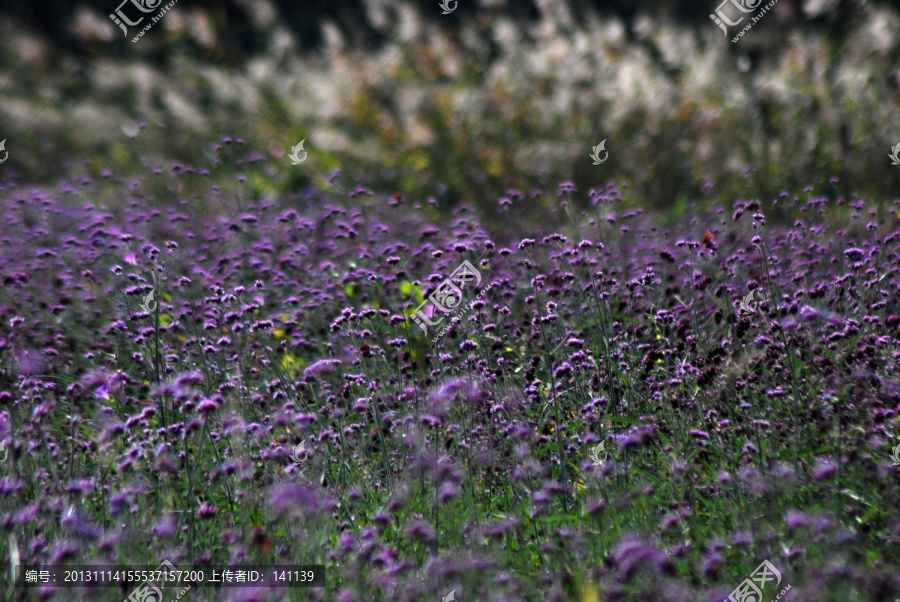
<point x="647" y="475"/>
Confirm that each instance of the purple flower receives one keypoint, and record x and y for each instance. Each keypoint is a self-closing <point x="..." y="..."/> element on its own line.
<point x="824" y="469"/>
<point x="207" y="406"/>
<point x="206" y="510"/>
<point x="321" y="368"/>
<point x="293" y="499"/>
<point x="165" y="527"/>
<point x="419" y="531"/>
<point x="854" y="254"/>
<point x="632" y="553"/>
<point x="794" y="519"/>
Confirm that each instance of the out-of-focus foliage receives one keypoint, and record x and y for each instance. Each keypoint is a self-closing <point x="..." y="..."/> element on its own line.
<point x="365" y="22"/>
<point x="462" y="107"/>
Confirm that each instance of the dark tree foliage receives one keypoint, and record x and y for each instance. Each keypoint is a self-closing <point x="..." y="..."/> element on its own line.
<point x="52" y="18"/>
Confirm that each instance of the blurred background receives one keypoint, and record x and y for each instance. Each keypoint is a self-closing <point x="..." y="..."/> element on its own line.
<point x="459" y="107"/>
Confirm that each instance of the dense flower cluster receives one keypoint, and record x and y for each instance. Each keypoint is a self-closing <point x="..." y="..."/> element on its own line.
<point x="460" y="461"/>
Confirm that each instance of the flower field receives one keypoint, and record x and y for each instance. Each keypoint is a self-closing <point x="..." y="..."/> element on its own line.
<point x="631" y="408"/>
<point x="457" y="301"/>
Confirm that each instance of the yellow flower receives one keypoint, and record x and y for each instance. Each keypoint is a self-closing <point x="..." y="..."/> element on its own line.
<point x="589" y="593"/>
<point x="290" y="363"/>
